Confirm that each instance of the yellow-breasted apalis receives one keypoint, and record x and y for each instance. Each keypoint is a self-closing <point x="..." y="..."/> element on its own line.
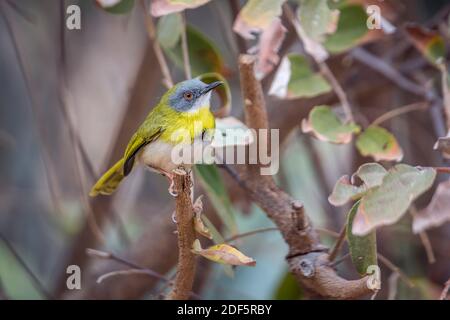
<point x="184" y="107"/>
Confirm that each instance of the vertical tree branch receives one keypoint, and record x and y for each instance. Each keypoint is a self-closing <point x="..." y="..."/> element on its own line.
<point x="184" y="214"/>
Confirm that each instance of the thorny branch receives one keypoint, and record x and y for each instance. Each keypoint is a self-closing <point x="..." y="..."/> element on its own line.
<point x="184" y="215"/>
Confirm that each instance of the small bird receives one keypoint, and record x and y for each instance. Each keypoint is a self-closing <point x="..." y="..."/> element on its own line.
<point x="185" y="106"/>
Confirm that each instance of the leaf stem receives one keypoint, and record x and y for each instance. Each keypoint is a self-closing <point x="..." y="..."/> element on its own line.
<point x="167" y="78"/>
<point x="399" y="111"/>
<point x="338" y="244"/>
<point x="250" y="233"/>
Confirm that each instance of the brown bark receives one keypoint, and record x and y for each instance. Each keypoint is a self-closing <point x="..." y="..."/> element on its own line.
<point x="307" y="258"/>
<point x="184" y="215"/>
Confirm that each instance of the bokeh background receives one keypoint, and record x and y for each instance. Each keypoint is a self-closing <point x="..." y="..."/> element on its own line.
<point x="70" y="100"/>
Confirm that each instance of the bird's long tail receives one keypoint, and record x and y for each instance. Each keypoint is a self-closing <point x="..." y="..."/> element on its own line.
<point x="110" y="180"/>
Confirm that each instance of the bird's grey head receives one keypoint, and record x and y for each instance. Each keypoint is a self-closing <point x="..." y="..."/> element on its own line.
<point x="191" y="95"/>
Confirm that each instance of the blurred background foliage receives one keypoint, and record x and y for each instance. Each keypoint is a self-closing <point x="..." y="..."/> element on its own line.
<point x="70" y="88"/>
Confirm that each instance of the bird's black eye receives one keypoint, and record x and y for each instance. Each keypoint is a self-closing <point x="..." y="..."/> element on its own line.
<point x="188" y="95"/>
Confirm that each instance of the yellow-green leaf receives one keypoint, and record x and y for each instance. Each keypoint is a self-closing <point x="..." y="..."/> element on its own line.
<point x="326" y="126"/>
<point x="203" y="54"/>
<point x="350" y="29"/>
<point x="223" y="253"/>
<point x="162" y="7"/>
<point x="379" y="144"/>
<point x="429" y="43"/>
<point x="256" y="16"/>
<point x="363" y="250"/>
<point x="387" y="203"/>
<point x="295" y="79"/>
<point x="346" y="189"/>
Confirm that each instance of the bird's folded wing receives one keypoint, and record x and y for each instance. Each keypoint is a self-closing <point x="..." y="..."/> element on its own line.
<point x="136" y="143"/>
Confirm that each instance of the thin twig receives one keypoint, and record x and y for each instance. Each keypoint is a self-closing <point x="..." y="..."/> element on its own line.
<point x="326" y="72"/>
<point x="394" y="268"/>
<point x="323" y="68"/>
<point x="185" y="48"/>
<point x="444" y="292"/>
<point x="167" y="81"/>
<point x="442" y="169"/>
<point x="393" y="285"/>
<point x="390" y="73"/>
<point x="338" y="244"/>
<point x="399" y="111"/>
<point x="34" y="279"/>
<point x="331" y="233"/>
<point x="123" y="273"/>
<point x="424" y="238"/>
<point x="428" y="248"/>
<point x="111" y="256"/>
<point x="250" y="233"/>
<point x="340" y="260"/>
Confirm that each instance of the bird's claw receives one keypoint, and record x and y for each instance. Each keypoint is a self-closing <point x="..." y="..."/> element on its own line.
<point x="174" y="217"/>
<point x="180" y="171"/>
<point x="172" y="190"/>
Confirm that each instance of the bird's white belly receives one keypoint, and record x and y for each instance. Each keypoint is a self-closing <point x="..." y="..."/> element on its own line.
<point x="167" y="157"/>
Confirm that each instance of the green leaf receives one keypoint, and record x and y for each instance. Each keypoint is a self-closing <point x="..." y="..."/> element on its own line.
<point x="295" y="79"/>
<point x="315" y="17"/>
<point x="217" y="193"/>
<point x="387" y="203"/>
<point x="203" y="54"/>
<point x="218" y="238"/>
<point x="379" y="144"/>
<point x="429" y="43"/>
<point x="255" y="16"/>
<point x="326" y="126"/>
<point x="168" y="30"/>
<point x="363" y="250"/>
<point x="116" y="7"/>
<point x="350" y="29"/>
<point x="288" y="288"/>
<point x="345" y="189"/>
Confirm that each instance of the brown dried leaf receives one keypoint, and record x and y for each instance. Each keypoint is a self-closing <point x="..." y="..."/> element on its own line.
<point x="267" y="48"/>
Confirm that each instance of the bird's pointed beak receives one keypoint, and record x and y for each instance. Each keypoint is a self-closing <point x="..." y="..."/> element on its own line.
<point x="211" y="86"/>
